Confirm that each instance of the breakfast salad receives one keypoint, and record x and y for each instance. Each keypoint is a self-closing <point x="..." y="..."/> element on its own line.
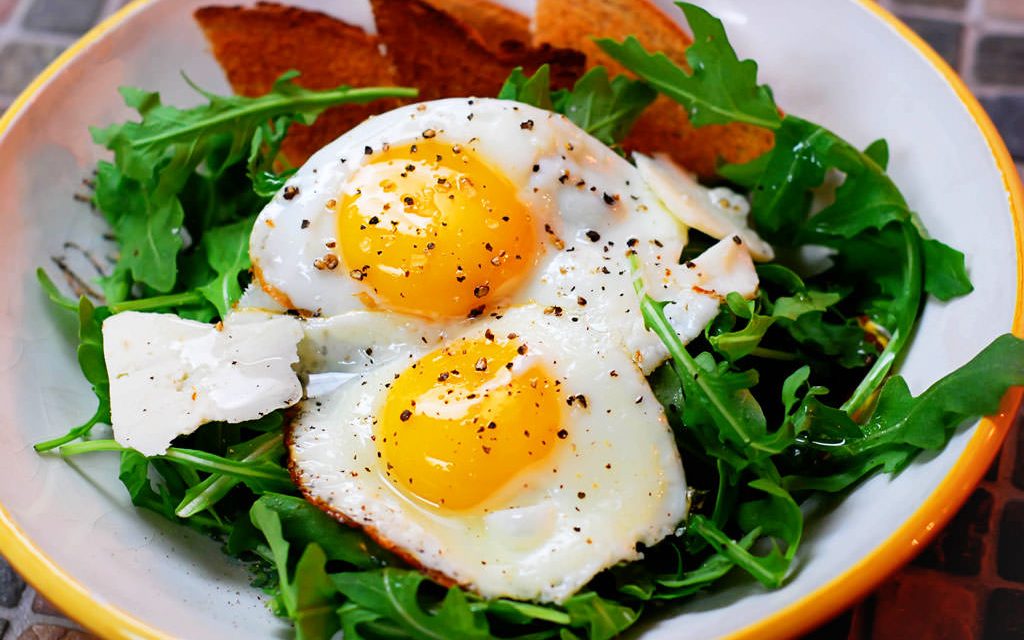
<point x="510" y="339"/>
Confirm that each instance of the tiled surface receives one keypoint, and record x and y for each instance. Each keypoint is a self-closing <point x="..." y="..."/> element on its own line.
<point x="969" y="584"/>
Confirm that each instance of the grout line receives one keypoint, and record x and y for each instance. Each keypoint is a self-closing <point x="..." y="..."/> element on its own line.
<point x="9" y="26"/>
<point x="43" y="37"/>
<point x="975" y="12"/>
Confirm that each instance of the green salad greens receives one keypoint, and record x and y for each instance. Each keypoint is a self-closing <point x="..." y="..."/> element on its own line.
<point x="784" y="396"/>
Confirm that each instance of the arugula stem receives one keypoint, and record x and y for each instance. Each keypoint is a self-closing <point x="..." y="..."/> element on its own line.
<point x="774" y="354"/>
<point x="90" y="446"/>
<point x="158" y="302"/>
<point x="609" y="119"/>
<point x="208" y="492"/>
<point x="682" y="362"/>
<point x="217" y="464"/>
<point x="70" y="436"/>
<point x="215" y="525"/>
<point x="270" y="107"/>
<point x="732" y="550"/>
<point x="54" y="293"/>
<point x="909" y="302"/>
<point x="199" y="460"/>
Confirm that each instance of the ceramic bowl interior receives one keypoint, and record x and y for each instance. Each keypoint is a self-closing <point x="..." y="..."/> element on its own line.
<point x="69" y="525"/>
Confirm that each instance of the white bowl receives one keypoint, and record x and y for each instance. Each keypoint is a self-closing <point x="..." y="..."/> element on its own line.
<point x="69" y="527"/>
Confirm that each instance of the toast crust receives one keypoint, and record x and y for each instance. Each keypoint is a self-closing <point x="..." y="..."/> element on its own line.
<point x="445" y="57"/>
<point x="255" y="45"/>
<point x="496" y="24"/>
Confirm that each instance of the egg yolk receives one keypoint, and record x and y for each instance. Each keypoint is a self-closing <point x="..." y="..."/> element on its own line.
<point x="432" y="230"/>
<point x="461" y="423"/>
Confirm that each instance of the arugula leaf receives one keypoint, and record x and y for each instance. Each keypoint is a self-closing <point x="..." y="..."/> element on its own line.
<point x="900" y="426"/>
<point x="720" y="89"/>
<point x="712" y="569"/>
<point x="867" y="208"/>
<point x="769" y="570"/>
<point x="269" y="522"/>
<point x="146" y="225"/>
<point x="712" y="394"/>
<point x="206" y="494"/>
<point x="94" y="368"/>
<point x="157" y="156"/>
<point x="737" y="344"/>
<point x="782" y="195"/>
<point x="606" y="109"/>
<point x="776" y="515"/>
<point x="841" y="478"/>
<point x="867" y="199"/>
<point x="603" y="618"/>
<point x="137" y="474"/>
<point x="263" y="153"/>
<point x="878" y="152"/>
<point x="141" y="145"/>
<point x="928" y="421"/>
<point x="945" y="275"/>
<point x="395" y="594"/>
<point x="526" y="612"/>
<point x="53" y="293"/>
<point x="303" y="523"/>
<point x="792" y="307"/>
<point x="227" y="250"/>
<point x="316" y="599"/>
<point x="535" y="90"/>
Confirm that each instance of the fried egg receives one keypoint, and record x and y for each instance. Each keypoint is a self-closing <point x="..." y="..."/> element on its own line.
<point x="518" y="459"/>
<point x="449" y="210"/>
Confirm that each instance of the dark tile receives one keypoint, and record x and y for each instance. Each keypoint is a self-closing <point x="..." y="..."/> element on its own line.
<point x="1011" y="552"/>
<point x="64" y="16"/>
<point x="1011" y="125"/>
<point x="42" y="605"/>
<point x="993" y="470"/>
<point x="903" y="605"/>
<point x="1000" y="60"/>
<point x="22" y="61"/>
<point x="11" y="585"/>
<point x="945" y="4"/>
<point x="1008" y="114"/>
<point x="53" y="632"/>
<point x="945" y="37"/>
<point x="959" y="547"/>
<point x="1004" y="615"/>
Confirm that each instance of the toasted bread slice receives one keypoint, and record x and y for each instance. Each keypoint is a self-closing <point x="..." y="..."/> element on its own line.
<point x="575" y="24"/>
<point x="665" y="126"/>
<point x="256" y="45"/>
<point x="445" y="57"/>
<point x="495" y="23"/>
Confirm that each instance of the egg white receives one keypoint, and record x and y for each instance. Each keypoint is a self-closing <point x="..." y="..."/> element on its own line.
<point x="592" y="208"/>
<point x="615" y="481"/>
